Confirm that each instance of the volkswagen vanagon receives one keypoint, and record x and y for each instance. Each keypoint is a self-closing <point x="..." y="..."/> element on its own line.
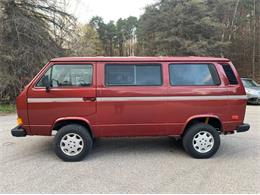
<point x="194" y="99"/>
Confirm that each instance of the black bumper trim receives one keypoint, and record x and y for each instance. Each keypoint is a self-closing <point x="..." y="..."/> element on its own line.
<point x="18" y="132"/>
<point x="243" y="128"/>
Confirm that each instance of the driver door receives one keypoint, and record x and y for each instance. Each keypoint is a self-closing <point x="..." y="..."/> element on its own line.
<point x="72" y="93"/>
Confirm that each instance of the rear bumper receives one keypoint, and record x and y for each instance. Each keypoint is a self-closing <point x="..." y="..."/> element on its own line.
<point x="18" y="132"/>
<point x="243" y="128"/>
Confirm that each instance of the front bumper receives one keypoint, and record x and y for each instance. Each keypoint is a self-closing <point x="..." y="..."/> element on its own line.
<point x="243" y="128"/>
<point x="18" y="132"/>
<point x="254" y="100"/>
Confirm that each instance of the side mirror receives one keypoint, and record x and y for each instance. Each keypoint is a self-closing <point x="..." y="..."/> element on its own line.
<point x="46" y="83"/>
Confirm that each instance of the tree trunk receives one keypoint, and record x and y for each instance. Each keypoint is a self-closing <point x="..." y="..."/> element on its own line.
<point x="254" y="42"/>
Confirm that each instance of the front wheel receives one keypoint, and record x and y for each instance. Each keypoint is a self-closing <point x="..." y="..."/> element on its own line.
<point x="72" y="142"/>
<point x="201" y="140"/>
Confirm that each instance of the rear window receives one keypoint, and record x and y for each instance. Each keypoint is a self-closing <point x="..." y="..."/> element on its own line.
<point x="193" y="74"/>
<point x="133" y="75"/>
<point x="230" y="74"/>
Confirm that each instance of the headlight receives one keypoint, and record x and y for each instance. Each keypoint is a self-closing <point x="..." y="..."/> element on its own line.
<point x="249" y="91"/>
<point x="252" y="92"/>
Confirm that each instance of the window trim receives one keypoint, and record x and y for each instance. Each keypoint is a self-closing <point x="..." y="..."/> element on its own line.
<point x="133" y="64"/>
<point x="216" y="71"/>
<point x="225" y="74"/>
<point x="64" y="87"/>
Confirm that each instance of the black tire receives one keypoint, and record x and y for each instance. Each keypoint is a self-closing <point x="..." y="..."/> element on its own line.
<point x="72" y="130"/>
<point x="188" y="142"/>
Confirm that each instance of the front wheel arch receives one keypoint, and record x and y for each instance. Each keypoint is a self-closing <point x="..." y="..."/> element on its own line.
<point x="72" y="142"/>
<point x="63" y="122"/>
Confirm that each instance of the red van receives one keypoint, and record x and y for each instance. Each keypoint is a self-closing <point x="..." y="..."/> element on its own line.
<point x="82" y="98"/>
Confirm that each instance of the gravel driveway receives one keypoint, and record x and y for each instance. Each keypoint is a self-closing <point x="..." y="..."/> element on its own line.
<point x="131" y="165"/>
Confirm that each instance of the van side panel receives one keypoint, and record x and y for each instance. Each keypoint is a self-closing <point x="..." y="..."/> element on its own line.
<point x="119" y="113"/>
<point x="226" y="104"/>
<point x="237" y="107"/>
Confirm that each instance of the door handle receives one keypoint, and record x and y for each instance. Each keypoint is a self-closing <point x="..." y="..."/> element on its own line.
<point x="91" y="99"/>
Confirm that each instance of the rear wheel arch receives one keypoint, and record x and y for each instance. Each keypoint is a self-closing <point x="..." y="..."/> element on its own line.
<point x="212" y="120"/>
<point x="58" y="124"/>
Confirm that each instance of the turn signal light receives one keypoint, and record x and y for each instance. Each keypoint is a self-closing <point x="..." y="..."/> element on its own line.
<point x="19" y="121"/>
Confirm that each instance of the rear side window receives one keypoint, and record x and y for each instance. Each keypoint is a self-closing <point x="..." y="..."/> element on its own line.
<point x="193" y="74"/>
<point x="133" y="75"/>
<point x="230" y="74"/>
<point x="68" y="76"/>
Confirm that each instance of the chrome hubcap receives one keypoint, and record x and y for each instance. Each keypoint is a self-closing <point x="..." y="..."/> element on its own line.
<point x="203" y="141"/>
<point x="71" y="144"/>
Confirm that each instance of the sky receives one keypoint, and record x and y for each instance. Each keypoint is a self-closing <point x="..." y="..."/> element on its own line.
<point x="84" y="10"/>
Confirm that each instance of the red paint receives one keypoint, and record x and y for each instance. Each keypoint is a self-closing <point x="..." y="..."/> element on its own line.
<point x="131" y="118"/>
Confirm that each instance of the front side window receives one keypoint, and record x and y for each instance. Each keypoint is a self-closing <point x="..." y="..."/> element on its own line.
<point x="133" y="75"/>
<point x="68" y="76"/>
<point x="41" y="83"/>
<point x="193" y="74"/>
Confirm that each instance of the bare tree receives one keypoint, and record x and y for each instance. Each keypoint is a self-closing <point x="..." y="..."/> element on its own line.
<point x="28" y="38"/>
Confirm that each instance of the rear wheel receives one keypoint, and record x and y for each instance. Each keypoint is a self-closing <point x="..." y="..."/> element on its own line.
<point x="201" y="141"/>
<point x="72" y="142"/>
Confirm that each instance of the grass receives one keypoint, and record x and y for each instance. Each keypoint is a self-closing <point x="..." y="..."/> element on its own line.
<point x="7" y="108"/>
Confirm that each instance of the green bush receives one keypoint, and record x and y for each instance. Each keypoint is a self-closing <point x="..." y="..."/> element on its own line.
<point x="7" y="108"/>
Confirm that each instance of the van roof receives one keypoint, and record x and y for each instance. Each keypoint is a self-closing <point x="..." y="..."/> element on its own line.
<point x="139" y="59"/>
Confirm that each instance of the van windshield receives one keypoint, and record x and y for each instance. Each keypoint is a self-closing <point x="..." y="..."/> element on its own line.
<point x="249" y="83"/>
